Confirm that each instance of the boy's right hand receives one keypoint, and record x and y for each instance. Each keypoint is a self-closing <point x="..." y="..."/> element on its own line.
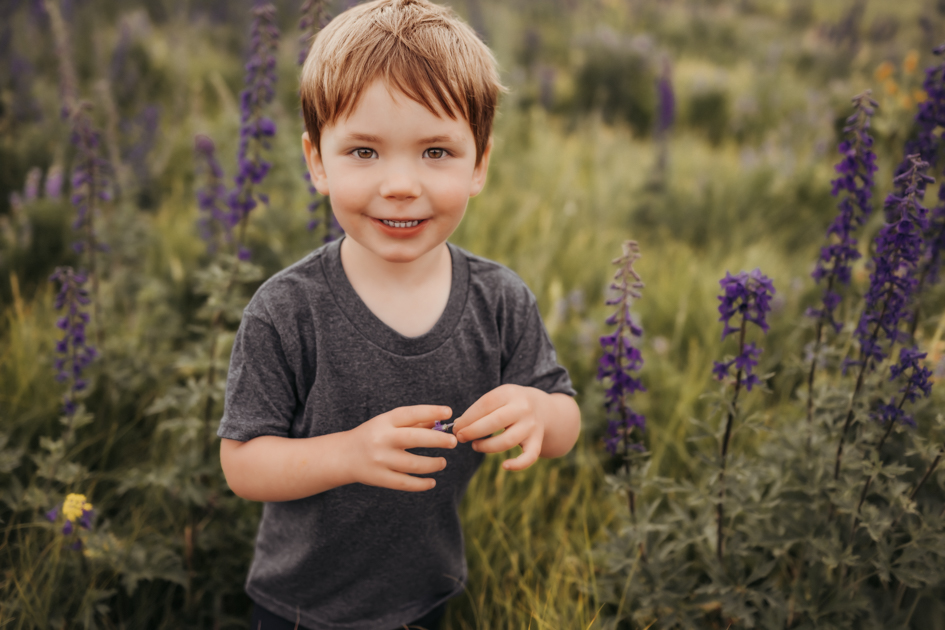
<point x="378" y="447"/>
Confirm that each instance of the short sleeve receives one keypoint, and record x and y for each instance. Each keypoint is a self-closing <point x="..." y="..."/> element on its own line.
<point x="260" y="395"/>
<point x="532" y="361"/>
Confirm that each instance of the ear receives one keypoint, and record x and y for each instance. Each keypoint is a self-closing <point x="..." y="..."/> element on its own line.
<point x="316" y="168"/>
<point x="479" y="173"/>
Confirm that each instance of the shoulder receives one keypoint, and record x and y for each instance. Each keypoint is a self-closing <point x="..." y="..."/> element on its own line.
<point x="288" y="290"/>
<point x="496" y="282"/>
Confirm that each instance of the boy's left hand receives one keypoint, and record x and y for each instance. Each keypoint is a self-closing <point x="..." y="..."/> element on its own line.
<point x="509" y="407"/>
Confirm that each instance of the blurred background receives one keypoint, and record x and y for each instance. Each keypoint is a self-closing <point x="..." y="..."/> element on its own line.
<point x="706" y="130"/>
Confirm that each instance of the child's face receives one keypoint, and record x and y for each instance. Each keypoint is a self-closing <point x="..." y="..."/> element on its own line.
<point x="392" y="159"/>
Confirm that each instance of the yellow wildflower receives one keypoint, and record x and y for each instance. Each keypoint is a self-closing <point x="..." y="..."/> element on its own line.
<point x="919" y="96"/>
<point x="891" y="87"/>
<point x="911" y="62"/>
<point x="906" y="101"/>
<point x="74" y="505"/>
<point x="883" y="71"/>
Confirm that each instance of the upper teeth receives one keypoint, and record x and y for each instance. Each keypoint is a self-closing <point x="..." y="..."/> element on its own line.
<point x="399" y="223"/>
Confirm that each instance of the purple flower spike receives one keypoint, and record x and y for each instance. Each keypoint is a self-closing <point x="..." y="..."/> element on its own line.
<point x="31" y="188"/>
<point x="313" y="19"/>
<point x="748" y="294"/>
<point x="856" y="171"/>
<point x="91" y="181"/>
<point x="215" y="223"/>
<point x="918" y="381"/>
<point x="76" y="353"/>
<point x="899" y="247"/>
<point x="255" y="128"/>
<point x="621" y="358"/>
<point x="929" y="121"/>
<point x="666" y="112"/>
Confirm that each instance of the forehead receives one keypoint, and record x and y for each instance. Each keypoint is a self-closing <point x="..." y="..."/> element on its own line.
<point x="382" y="101"/>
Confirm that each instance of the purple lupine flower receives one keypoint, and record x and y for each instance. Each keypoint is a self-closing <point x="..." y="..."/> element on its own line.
<point x="53" y="187"/>
<point x="123" y="76"/>
<point x="748" y="294"/>
<point x="931" y="115"/>
<point x="856" y="171"/>
<point x="439" y="425"/>
<point x="143" y="128"/>
<point x="215" y="223"/>
<point x="90" y="179"/>
<point x="929" y="120"/>
<point x="31" y="188"/>
<point x="313" y="18"/>
<point x="899" y="247"/>
<point x="255" y="128"/>
<point x="68" y="83"/>
<point x="621" y="358"/>
<point x="666" y="111"/>
<point x="918" y="381"/>
<point x="77" y="355"/>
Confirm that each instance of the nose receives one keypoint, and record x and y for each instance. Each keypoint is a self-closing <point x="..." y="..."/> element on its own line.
<point x="401" y="181"/>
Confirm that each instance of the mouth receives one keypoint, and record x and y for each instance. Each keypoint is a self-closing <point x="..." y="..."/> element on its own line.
<point x="401" y="224"/>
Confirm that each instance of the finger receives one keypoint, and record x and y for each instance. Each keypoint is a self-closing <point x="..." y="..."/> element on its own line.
<point x="418" y="464"/>
<point x="425" y="438"/>
<point x="509" y="438"/>
<point x="531" y="449"/>
<point x="484" y="426"/>
<point x="407" y="483"/>
<point x="419" y="415"/>
<point x="486" y="404"/>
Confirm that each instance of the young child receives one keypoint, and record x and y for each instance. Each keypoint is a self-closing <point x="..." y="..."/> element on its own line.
<point x="345" y="360"/>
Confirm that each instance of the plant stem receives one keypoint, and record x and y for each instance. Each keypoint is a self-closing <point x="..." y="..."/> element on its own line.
<point x="869" y="480"/>
<point x="810" y="376"/>
<point x="813" y="363"/>
<point x="928" y="473"/>
<point x="859" y="384"/>
<point x="725" y="440"/>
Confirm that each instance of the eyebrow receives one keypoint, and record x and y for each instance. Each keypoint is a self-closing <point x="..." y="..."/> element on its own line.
<point x="366" y="137"/>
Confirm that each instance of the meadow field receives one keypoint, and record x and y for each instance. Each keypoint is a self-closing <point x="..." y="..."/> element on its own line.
<point x="706" y="131"/>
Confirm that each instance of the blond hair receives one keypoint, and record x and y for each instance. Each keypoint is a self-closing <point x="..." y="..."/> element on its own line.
<point x="422" y="49"/>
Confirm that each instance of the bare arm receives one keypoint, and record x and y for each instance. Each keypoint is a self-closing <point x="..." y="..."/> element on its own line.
<point x="270" y="468"/>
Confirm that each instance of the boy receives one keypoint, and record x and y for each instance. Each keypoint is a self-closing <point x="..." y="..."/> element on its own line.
<point x="345" y="360"/>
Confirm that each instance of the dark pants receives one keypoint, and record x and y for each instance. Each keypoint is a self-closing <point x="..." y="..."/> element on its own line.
<point x="266" y="620"/>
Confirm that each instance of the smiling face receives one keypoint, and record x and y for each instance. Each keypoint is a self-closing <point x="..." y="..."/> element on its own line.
<point x="393" y="160"/>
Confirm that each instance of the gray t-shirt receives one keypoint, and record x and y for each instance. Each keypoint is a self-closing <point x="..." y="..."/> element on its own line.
<point x="310" y="359"/>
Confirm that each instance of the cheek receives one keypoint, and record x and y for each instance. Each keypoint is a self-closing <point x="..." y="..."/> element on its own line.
<point x="348" y="191"/>
<point x="453" y="190"/>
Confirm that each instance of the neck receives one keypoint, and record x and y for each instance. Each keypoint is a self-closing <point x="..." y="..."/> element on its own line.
<point x="365" y="265"/>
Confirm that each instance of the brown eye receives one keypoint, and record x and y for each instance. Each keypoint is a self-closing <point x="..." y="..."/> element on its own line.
<point x="436" y="154"/>
<point x="364" y="153"/>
